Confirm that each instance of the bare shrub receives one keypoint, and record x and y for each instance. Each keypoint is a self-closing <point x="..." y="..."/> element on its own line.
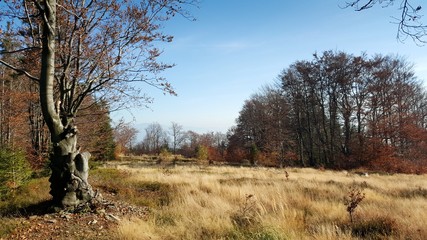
<point x="352" y="200"/>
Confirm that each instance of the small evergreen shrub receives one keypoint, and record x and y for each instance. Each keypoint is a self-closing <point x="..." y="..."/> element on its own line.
<point x="202" y="152"/>
<point x="165" y="154"/>
<point x="15" y="171"/>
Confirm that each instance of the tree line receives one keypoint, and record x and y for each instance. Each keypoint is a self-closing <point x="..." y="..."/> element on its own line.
<point x="174" y="140"/>
<point x="337" y="110"/>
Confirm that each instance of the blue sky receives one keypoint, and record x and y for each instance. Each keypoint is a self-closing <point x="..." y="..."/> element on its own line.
<point x="237" y="46"/>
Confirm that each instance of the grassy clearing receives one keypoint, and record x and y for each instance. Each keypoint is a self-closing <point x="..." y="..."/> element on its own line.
<point x="250" y="203"/>
<point x="121" y="184"/>
<point x="35" y="193"/>
<point x="33" y="198"/>
<point x="259" y="203"/>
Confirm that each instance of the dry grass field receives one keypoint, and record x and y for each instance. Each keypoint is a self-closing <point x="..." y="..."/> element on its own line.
<point x="220" y="202"/>
<point x="262" y="203"/>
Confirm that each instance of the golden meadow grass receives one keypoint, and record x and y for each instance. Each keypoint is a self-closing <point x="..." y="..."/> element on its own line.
<point x="260" y="203"/>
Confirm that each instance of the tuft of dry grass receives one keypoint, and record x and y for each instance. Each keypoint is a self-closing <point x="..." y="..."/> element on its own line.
<point x="214" y="203"/>
<point x="376" y="228"/>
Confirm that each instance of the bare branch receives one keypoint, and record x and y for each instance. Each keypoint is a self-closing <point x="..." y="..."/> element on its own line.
<point x="68" y="11"/>
<point x="19" y="71"/>
<point x="29" y="21"/>
<point x="20" y="50"/>
<point x="409" y="23"/>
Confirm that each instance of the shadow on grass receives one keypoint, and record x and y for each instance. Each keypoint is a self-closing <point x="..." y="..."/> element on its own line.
<point x="36" y="209"/>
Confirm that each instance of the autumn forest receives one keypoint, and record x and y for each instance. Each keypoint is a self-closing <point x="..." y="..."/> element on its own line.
<point x="305" y="151"/>
<point x="337" y="111"/>
<point x="334" y="111"/>
<point x="65" y="67"/>
<point x="341" y="111"/>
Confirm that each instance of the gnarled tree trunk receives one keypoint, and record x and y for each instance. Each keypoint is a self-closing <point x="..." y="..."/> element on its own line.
<point x="69" y="185"/>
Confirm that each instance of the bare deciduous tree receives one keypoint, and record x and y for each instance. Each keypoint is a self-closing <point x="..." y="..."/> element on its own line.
<point x="124" y="136"/>
<point x="155" y="138"/>
<point x="178" y="136"/>
<point x="103" y="49"/>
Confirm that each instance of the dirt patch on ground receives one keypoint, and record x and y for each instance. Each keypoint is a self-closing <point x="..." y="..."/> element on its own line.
<point x="39" y="222"/>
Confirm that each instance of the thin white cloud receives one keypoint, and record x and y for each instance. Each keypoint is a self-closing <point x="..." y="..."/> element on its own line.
<point x="232" y="46"/>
